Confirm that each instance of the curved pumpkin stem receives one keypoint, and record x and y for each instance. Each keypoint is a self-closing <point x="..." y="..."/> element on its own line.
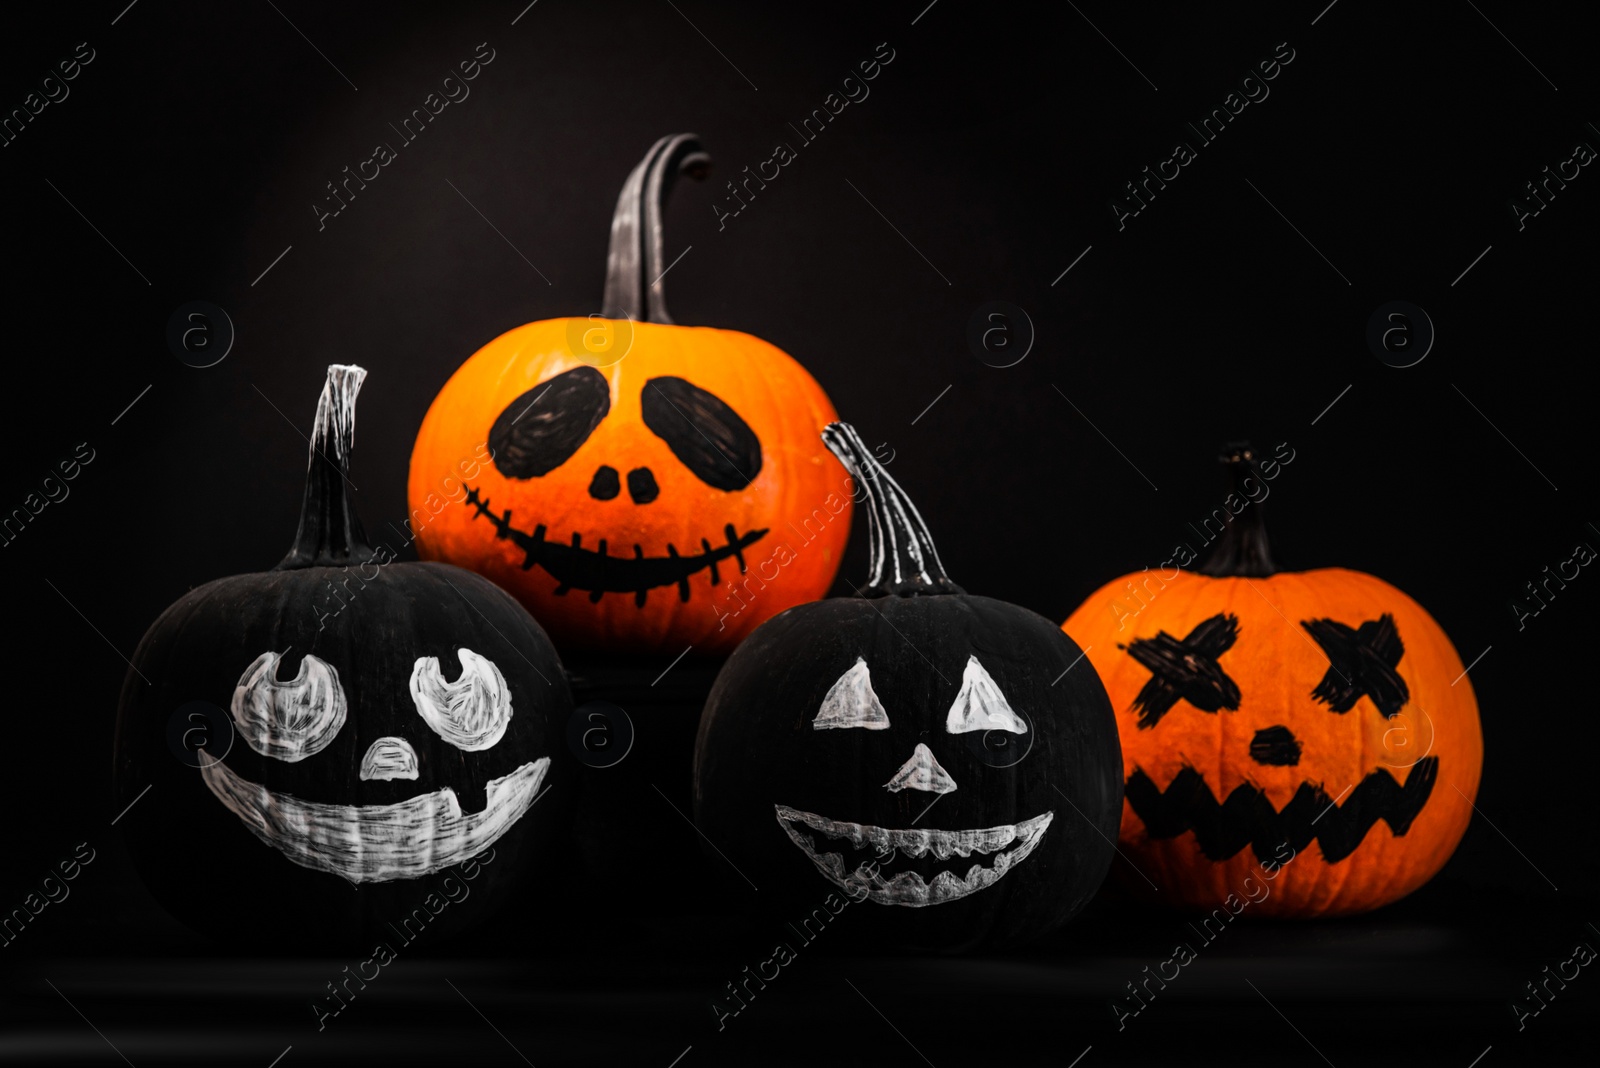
<point x="902" y="558"/>
<point x="1242" y="551"/>
<point x="330" y="533"/>
<point x="634" y="265"/>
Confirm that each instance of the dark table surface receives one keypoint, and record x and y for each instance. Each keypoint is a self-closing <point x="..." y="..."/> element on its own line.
<point x="104" y="977"/>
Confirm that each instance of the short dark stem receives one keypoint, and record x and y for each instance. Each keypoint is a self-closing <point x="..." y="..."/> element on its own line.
<point x="635" y="264"/>
<point x="1243" y="551"/>
<point x="902" y="558"/>
<point x="330" y="533"/>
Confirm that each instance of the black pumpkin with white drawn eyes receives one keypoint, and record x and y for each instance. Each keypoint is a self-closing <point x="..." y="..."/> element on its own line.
<point x="948" y="762"/>
<point x="375" y="737"/>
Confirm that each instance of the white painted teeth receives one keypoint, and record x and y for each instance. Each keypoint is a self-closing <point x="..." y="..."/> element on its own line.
<point x="378" y="843"/>
<point x="914" y="842"/>
<point x="946" y="886"/>
<point x="909" y="888"/>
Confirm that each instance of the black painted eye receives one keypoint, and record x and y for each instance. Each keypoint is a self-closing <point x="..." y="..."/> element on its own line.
<point x="703" y="432"/>
<point x="1186" y="669"/>
<point x="540" y="430"/>
<point x="1361" y="660"/>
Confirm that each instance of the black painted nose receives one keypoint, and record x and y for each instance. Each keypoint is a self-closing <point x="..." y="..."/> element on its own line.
<point x="642" y="486"/>
<point x="605" y="485"/>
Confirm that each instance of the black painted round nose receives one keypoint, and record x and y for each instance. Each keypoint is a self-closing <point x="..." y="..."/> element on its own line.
<point x="605" y="485"/>
<point x="642" y="486"/>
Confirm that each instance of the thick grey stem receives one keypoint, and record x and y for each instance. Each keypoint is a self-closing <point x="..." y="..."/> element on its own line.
<point x="330" y="533"/>
<point x="635" y="264"/>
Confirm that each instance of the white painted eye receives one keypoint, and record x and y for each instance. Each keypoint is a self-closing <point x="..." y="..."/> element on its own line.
<point x="470" y="713"/>
<point x="980" y="706"/>
<point x="851" y="703"/>
<point x="292" y="720"/>
<point x="389" y="758"/>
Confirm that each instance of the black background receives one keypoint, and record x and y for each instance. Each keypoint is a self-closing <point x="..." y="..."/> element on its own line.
<point x="200" y="135"/>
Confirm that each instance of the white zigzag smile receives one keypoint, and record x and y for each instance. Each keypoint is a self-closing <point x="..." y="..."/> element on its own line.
<point x="908" y="887"/>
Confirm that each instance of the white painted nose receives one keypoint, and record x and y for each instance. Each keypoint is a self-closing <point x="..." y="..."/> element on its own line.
<point x="921" y="772"/>
<point x="389" y="758"/>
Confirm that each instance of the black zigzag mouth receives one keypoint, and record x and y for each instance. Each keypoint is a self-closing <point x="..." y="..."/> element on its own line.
<point x="598" y="573"/>
<point x="1247" y="817"/>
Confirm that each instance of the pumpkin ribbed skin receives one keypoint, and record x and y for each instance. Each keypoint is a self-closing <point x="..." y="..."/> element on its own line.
<point x="757" y="748"/>
<point x="1276" y="664"/>
<point x="798" y="497"/>
<point x="330" y="747"/>
<point x="927" y="754"/>
<point x="203" y="864"/>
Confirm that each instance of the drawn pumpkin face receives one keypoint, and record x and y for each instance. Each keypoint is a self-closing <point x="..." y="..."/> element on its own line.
<point x="386" y="723"/>
<point x="638" y="467"/>
<point x="919" y="855"/>
<point x="923" y="751"/>
<point x="431" y="786"/>
<point x="1321" y="716"/>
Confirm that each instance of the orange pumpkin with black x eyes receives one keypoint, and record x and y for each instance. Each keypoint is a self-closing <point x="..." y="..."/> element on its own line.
<point x="637" y="484"/>
<point x="1294" y="744"/>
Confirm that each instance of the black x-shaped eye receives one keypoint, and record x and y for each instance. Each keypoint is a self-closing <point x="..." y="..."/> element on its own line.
<point x="1186" y="669"/>
<point x="540" y="430"/>
<point x="1361" y="660"/>
<point x="703" y="432"/>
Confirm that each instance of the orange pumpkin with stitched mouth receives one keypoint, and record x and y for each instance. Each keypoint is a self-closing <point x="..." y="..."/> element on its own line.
<point x="638" y="485"/>
<point x="1301" y="744"/>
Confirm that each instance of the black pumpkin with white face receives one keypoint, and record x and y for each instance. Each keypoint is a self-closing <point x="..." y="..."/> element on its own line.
<point x="380" y="734"/>
<point x="946" y="761"/>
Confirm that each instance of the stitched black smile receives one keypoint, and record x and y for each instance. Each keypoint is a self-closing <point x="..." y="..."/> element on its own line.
<point x="597" y="573"/>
